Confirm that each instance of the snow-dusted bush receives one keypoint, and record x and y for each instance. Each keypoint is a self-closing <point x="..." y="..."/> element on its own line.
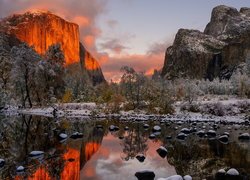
<point x="218" y="87"/>
<point x="241" y="82"/>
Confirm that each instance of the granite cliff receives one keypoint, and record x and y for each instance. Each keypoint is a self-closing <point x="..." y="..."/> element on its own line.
<point x="42" y="29"/>
<point x="216" y="52"/>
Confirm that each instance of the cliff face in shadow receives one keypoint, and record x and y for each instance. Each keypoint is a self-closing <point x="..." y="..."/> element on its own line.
<point x="226" y="34"/>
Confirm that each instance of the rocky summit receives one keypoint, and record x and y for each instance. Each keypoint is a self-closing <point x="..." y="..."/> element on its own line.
<point x="42" y="29"/>
<point x="216" y="52"/>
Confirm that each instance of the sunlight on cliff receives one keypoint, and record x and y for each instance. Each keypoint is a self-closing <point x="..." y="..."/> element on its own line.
<point x="91" y="149"/>
<point x="40" y="174"/>
<point x="90" y="62"/>
<point x="72" y="168"/>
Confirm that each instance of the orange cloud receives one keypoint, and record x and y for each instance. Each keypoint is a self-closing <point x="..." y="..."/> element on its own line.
<point x="140" y="62"/>
<point x="89" y="41"/>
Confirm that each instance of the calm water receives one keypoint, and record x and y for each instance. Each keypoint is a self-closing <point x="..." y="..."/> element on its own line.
<point x="101" y="154"/>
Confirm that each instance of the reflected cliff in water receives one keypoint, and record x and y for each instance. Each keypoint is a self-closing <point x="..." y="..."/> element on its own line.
<point x="101" y="154"/>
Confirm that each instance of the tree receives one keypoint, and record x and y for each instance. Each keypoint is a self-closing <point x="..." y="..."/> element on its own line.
<point x="23" y="72"/>
<point x="132" y="84"/>
<point x="55" y="57"/>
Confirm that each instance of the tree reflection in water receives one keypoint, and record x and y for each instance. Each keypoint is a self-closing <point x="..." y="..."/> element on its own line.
<point x="198" y="157"/>
<point x="134" y="143"/>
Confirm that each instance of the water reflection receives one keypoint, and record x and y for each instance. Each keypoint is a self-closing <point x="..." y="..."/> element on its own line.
<point x="101" y="154"/>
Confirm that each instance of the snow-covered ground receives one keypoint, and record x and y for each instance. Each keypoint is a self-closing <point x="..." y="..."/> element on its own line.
<point x="229" y="110"/>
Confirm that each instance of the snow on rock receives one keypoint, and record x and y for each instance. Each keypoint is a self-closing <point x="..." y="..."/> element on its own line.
<point x="152" y="136"/>
<point x="113" y="128"/>
<point x="222" y="171"/>
<point x="185" y="130"/>
<point x="223" y="138"/>
<point x="76" y="135"/>
<point x="187" y="177"/>
<point x="181" y="136"/>
<point x="20" y="169"/>
<point x="233" y="172"/>
<point x="162" y="151"/>
<point x="156" y="128"/>
<point x="63" y="136"/>
<point x="36" y="153"/>
<point x="244" y="136"/>
<point x="174" y="177"/>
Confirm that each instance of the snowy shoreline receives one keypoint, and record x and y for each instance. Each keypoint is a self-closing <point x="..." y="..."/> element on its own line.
<point x="91" y="110"/>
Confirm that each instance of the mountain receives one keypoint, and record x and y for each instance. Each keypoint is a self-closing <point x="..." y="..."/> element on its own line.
<point x="42" y="29"/>
<point x="216" y="52"/>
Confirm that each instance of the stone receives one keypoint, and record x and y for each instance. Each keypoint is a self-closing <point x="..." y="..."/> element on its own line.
<point x="140" y="157"/>
<point x="20" y="169"/>
<point x="63" y="136"/>
<point x="146" y="126"/>
<point x="113" y="128"/>
<point x="2" y="163"/>
<point x="223" y="138"/>
<point x="233" y="172"/>
<point x="152" y="136"/>
<point x="76" y="135"/>
<point x="36" y="153"/>
<point x="145" y="175"/>
<point x="156" y="128"/>
<point x="187" y="177"/>
<point x="174" y="177"/>
<point x="244" y="136"/>
<point x="99" y="126"/>
<point x="181" y="136"/>
<point x="168" y="137"/>
<point x="162" y="151"/>
<point x="185" y="131"/>
<point x="211" y="133"/>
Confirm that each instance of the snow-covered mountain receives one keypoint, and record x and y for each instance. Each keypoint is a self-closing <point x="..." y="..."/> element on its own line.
<point x="224" y="44"/>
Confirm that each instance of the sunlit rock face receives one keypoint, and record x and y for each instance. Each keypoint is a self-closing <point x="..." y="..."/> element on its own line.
<point x="193" y="53"/>
<point x="43" y="29"/>
<point x="72" y="167"/>
<point x="40" y="174"/>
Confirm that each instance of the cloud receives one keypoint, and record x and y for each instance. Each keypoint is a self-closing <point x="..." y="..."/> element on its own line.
<point x="114" y="45"/>
<point x="112" y="23"/>
<point x="82" y="12"/>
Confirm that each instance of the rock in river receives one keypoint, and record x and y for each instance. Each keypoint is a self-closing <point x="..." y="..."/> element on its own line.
<point x="36" y="153"/>
<point x="174" y="177"/>
<point x="63" y="136"/>
<point x="76" y="135"/>
<point x="113" y="128"/>
<point x="145" y="175"/>
<point x="162" y="151"/>
<point x="140" y="157"/>
<point x="244" y="136"/>
<point x="181" y="136"/>
<point x="156" y="128"/>
<point x="20" y="169"/>
<point x="2" y="163"/>
<point x="223" y="138"/>
<point x="233" y="172"/>
<point x="187" y="177"/>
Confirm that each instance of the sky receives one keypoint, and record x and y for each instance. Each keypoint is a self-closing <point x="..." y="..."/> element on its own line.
<point x="126" y="32"/>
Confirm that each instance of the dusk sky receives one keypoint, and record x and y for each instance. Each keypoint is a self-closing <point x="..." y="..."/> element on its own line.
<point x="126" y="32"/>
